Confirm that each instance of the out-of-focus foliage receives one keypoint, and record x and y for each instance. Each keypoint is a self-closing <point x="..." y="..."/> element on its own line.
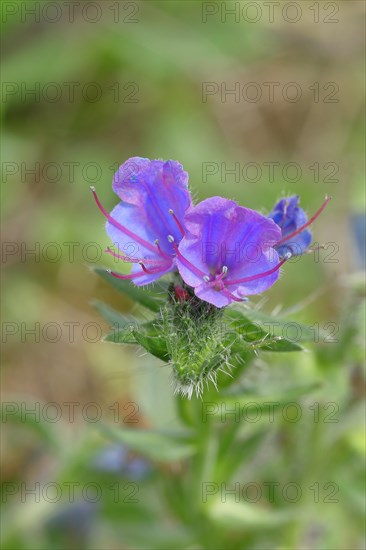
<point x="150" y="472"/>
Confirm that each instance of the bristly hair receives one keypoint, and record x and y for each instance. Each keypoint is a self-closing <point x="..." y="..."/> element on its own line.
<point x="196" y="344"/>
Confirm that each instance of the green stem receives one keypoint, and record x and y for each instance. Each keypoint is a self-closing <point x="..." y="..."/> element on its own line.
<point x="201" y="462"/>
<point x="184" y="410"/>
<point x="225" y="447"/>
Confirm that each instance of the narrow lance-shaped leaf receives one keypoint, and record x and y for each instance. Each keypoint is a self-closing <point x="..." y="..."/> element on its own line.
<point x="156" y="445"/>
<point x="254" y="325"/>
<point x="146" y="335"/>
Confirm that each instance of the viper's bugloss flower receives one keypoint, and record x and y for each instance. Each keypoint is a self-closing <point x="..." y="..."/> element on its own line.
<point x="293" y="222"/>
<point x="147" y="224"/>
<point x="227" y="252"/>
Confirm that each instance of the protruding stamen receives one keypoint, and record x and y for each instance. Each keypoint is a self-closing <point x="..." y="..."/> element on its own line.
<point x="150" y="271"/>
<point x="309" y="222"/>
<point x="260" y="275"/>
<point x="284" y="214"/>
<point x="219" y="277"/>
<point x="124" y="277"/>
<point x="120" y="226"/>
<point x="231" y="296"/>
<point x="136" y="260"/>
<point x="181" y="228"/>
<point x="161" y="251"/>
<point x="108" y="250"/>
<point x="170" y="238"/>
<point x="206" y="278"/>
<point x="188" y="264"/>
<point x="315" y="249"/>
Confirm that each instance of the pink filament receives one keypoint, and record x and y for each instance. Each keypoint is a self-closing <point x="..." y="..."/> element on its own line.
<point x="161" y="252"/>
<point x="121" y="227"/>
<point x="257" y="276"/>
<point x="188" y="264"/>
<point x="125" y="277"/>
<point x="231" y="296"/>
<point x="309" y="222"/>
<point x="124" y="258"/>
<point x="134" y="275"/>
<point x="181" y="228"/>
<point x="132" y="260"/>
<point x="153" y="271"/>
<point x="218" y="279"/>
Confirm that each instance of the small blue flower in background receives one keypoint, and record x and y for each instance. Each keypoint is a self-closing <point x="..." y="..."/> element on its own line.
<point x="293" y="222"/>
<point x="358" y="223"/>
<point x="75" y="521"/>
<point x="228" y="251"/>
<point x="147" y="224"/>
<point x="115" y="459"/>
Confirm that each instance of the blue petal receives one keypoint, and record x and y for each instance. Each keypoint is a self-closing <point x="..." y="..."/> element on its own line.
<point x="212" y="296"/>
<point x="165" y="189"/>
<point x="126" y="177"/>
<point x="297" y="245"/>
<point x="127" y="215"/>
<point x="221" y="233"/>
<point x="229" y="234"/>
<point x="150" y="278"/>
<point x="290" y="217"/>
<point x="155" y="187"/>
<point x="191" y="248"/>
<point x="149" y="191"/>
<point x="268" y="261"/>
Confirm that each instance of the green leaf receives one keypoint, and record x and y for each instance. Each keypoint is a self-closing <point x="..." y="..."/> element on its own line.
<point x="244" y="343"/>
<point x="11" y="411"/>
<point x="155" y="345"/>
<point x="117" y="320"/>
<point x="239" y="324"/>
<point x="125" y="336"/>
<point x="156" y="445"/>
<point x="246" y="515"/>
<point x="277" y="344"/>
<point x="150" y="299"/>
<point x="254" y="325"/>
<point x="148" y="335"/>
<point x="266" y="401"/>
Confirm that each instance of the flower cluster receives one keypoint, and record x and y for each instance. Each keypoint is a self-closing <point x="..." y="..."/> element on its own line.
<point x="224" y="251"/>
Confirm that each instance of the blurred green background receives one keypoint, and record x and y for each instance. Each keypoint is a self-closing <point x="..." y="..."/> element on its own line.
<point x="112" y="80"/>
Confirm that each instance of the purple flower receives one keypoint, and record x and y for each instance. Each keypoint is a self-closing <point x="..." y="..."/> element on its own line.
<point x="293" y="222"/>
<point x="228" y="251"/>
<point x="147" y="224"/>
